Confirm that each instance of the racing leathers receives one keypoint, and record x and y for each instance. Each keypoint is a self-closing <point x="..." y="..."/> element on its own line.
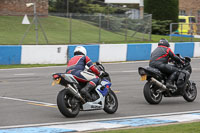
<point x="76" y="66"/>
<point x="160" y="58"/>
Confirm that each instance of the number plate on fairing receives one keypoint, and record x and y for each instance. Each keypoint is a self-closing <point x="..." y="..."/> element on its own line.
<point x="57" y="81"/>
<point x="143" y="77"/>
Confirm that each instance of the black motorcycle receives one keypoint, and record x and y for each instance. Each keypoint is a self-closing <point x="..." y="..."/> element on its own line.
<point x="70" y="101"/>
<point x="155" y="88"/>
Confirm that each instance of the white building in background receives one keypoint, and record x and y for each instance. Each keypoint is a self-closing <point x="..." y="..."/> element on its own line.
<point x="139" y="3"/>
<point x="133" y="14"/>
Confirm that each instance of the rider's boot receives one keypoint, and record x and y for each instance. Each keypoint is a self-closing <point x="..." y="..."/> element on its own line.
<point x="170" y="81"/>
<point x="85" y="91"/>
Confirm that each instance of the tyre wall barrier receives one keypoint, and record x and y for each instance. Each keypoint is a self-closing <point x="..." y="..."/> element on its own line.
<point x="59" y="54"/>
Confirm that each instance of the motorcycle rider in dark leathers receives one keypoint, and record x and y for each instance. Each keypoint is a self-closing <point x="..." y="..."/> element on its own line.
<point x="76" y="66"/>
<point x="160" y="58"/>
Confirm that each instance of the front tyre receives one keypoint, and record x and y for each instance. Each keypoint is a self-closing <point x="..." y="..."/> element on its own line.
<point x="150" y="93"/>
<point x="190" y="92"/>
<point x="111" y="103"/>
<point x="68" y="105"/>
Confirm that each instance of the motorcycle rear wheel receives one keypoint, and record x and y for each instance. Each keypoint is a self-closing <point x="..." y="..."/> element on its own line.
<point x="190" y="92"/>
<point x="68" y="105"/>
<point x="111" y="103"/>
<point x="150" y="94"/>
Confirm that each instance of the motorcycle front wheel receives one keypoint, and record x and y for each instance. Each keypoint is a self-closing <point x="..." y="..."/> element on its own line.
<point x="68" y="105"/>
<point x="150" y="93"/>
<point x="190" y="92"/>
<point x="111" y="103"/>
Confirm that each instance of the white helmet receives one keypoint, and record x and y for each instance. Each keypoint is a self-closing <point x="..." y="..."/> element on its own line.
<point x="80" y="49"/>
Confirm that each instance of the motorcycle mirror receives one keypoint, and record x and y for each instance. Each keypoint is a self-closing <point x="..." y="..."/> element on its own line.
<point x="97" y="63"/>
<point x="188" y="59"/>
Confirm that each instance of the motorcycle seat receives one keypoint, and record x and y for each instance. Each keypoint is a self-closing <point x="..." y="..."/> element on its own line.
<point x="156" y="71"/>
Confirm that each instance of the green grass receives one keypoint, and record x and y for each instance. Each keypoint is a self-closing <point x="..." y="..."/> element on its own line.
<point x="175" y="128"/>
<point x="27" y="65"/>
<point x="58" y="29"/>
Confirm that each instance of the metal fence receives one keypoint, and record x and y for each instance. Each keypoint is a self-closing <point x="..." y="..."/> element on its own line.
<point x="184" y="32"/>
<point x="95" y="28"/>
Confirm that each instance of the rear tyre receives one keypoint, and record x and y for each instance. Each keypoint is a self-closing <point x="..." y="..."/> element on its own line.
<point x="111" y="103"/>
<point x="150" y="93"/>
<point x="68" y="105"/>
<point x="190" y="92"/>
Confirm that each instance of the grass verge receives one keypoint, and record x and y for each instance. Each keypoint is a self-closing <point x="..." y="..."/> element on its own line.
<point x="193" y="127"/>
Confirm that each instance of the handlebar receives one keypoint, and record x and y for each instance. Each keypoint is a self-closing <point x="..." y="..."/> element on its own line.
<point x="186" y="61"/>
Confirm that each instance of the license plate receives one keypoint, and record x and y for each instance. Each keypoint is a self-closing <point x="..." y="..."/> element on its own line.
<point x="143" y="77"/>
<point x="57" y="81"/>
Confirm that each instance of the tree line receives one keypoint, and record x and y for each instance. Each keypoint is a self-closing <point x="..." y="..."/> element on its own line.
<point x="84" y="6"/>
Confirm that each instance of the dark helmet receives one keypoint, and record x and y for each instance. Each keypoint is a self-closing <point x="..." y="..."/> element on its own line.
<point x="163" y="42"/>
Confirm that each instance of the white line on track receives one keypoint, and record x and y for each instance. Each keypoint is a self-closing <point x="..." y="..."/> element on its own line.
<point x="24" y="74"/>
<point x="123" y="71"/>
<point x="96" y="120"/>
<point x="30" y="101"/>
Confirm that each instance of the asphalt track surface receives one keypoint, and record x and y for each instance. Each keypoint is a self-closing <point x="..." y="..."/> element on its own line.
<point x="27" y="97"/>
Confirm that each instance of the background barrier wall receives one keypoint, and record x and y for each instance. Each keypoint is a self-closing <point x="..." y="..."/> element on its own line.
<point x="138" y="52"/>
<point x="59" y="54"/>
<point x="197" y="49"/>
<point x="184" y="49"/>
<point x="46" y="54"/>
<point x="112" y="52"/>
<point x="10" y="55"/>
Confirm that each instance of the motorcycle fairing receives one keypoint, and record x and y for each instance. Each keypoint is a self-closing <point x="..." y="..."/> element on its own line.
<point x="105" y="86"/>
<point x="69" y="78"/>
<point x="182" y="78"/>
<point x="98" y="104"/>
<point x="88" y="75"/>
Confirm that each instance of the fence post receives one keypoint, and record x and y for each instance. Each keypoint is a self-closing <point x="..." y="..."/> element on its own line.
<point x="100" y="28"/>
<point x="126" y="29"/>
<point x="70" y="28"/>
<point x="150" y="27"/>
<point x="181" y="32"/>
<point x="192" y="32"/>
<point x="171" y="24"/>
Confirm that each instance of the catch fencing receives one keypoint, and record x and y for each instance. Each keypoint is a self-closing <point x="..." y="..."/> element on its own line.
<point x="100" y="28"/>
<point x="184" y="32"/>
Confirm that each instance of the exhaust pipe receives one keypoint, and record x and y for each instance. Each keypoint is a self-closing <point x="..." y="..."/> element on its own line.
<point x="159" y="84"/>
<point x="76" y="93"/>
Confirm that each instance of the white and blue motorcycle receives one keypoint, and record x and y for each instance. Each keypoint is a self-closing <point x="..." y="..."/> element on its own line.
<point x="70" y="101"/>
